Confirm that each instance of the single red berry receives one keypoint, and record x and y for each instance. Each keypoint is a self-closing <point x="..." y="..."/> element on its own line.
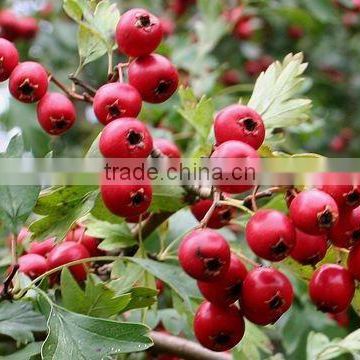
<point x="218" y="328"/>
<point x="204" y="255"/>
<point x="353" y="262"/>
<point x="160" y="286"/>
<point x="32" y="265"/>
<point x="138" y="33"/>
<point x="9" y="58"/>
<point x="244" y="29"/>
<point x="41" y="248"/>
<point x="331" y="288"/>
<point x="126" y="138"/>
<point x="8" y="25"/>
<point x="179" y="7"/>
<point x="314" y="212"/>
<point x="167" y="148"/>
<point x="155" y="77"/>
<point x="220" y="217"/>
<point x="338" y="144"/>
<point x="255" y="67"/>
<point x="116" y="100"/>
<point x="344" y="195"/>
<point x="346" y="232"/>
<point x="295" y="32"/>
<point x="309" y="249"/>
<point x="56" y="113"/>
<point x="238" y="163"/>
<point x="28" y="82"/>
<point x="127" y="200"/>
<point x="27" y="28"/>
<point x="270" y="235"/>
<point x="238" y="122"/>
<point x="230" y="77"/>
<point x="80" y="236"/>
<point x="226" y="290"/>
<point x="67" y="252"/>
<point x="168" y="26"/>
<point x="266" y="295"/>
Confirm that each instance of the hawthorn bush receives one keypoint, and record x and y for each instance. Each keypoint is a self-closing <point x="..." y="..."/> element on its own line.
<point x="92" y="269"/>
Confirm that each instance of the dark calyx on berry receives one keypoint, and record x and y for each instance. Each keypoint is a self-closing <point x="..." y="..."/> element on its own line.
<point x="222" y="338"/>
<point x="280" y="248"/>
<point x="59" y="124"/>
<point x="27" y="89"/>
<point x="326" y="218"/>
<point x="114" y="110"/>
<point x="135" y="138"/>
<point x="163" y="87"/>
<point x="276" y="302"/>
<point x="137" y="198"/>
<point x="143" y="21"/>
<point x="353" y="198"/>
<point x="249" y="124"/>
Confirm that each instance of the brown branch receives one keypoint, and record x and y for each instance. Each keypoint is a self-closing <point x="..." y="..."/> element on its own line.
<point x="71" y="94"/>
<point x="185" y="349"/>
<point x="249" y="200"/>
<point x="78" y="82"/>
<point x="5" y="294"/>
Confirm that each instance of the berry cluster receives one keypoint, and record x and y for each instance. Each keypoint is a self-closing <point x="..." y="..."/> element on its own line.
<point x="152" y="78"/>
<point x="40" y="257"/>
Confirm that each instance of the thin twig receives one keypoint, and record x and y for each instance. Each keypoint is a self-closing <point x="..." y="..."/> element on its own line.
<point x="185" y="349"/>
<point x="253" y="198"/>
<point x="207" y="217"/>
<point x="78" y="82"/>
<point x="5" y="294"/>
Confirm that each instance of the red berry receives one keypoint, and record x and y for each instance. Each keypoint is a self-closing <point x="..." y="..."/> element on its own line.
<point x="56" y="113"/>
<point x="344" y="195"/>
<point x="138" y="33"/>
<point x="221" y="216"/>
<point x="230" y="77"/>
<point x="353" y="262"/>
<point x="244" y="28"/>
<point x="33" y="265"/>
<point x="127" y="200"/>
<point x="126" y="138"/>
<point x="28" y="82"/>
<point x="41" y="248"/>
<point x="240" y="157"/>
<point x="270" y="235"/>
<point x="226" y="290"/>
<point x="331" y="288"/>
<point x="338" y="144"/>
<point x="159" y="286"/>
<point x="80" y="236"/>
<point x="238" y="122"/>
<point x="116" y="100"/>
<point x="204" y="255"/>
<point x="295" y="32"/>
<point x="266" y="295"/>
<point x="9" y="58"/>
<point x="346" y="231"/>
<point x="314" y="212"/>
<point x="217" y="328"/>
<point x="167" y="148"/>
<point x="27" y="28"/>
<point x="8" y="25"/>
<point x="155" y="77"/>
<point x="168" y="26"/>
<point x="309" y="249"/>
<point x="67" y="252"/>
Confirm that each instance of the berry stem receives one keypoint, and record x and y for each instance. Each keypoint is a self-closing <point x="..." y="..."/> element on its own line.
<point x="237" y="204"/>
<point x="88" y="88"/>
<point x="71" y="94"/>
<point x="248" y="201"/>
<point x="206" y="219"/>
<point x="247" y="260"/>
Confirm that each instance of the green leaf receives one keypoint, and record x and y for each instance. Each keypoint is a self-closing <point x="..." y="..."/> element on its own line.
<point x="75" y="336"/>
<point x="116" y="236"/>
<point x="173" y="276"/>
<point x="94" y="151"/>
<point x="101" y="212"/>
<point x="91" y="45"/>
<point x="141" y="297"/>
<point x="125" y="276"/>
<point x="98" y="300"/>
<point x="167" y="198"/>
<point x="60" y="208"/>
<point x="26" y="352"/>
<point x="198" y="113"/>
<point x="275" y="90"/>
<point x="18" y="320"/>
<point x="106" y="17"/>
<point x="16" y="204"/>
<point x="74" y="8"/>
<point x="15" y="148"/>
<point x="173" y="322"/>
